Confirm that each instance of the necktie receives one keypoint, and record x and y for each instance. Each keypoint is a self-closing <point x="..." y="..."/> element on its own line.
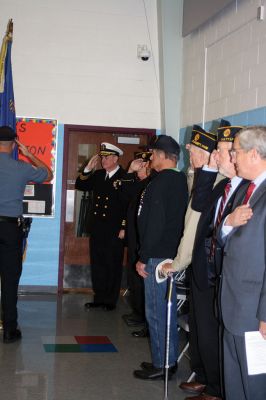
<point x="222" y="204"/>
<point x="219" y="218"/>
<point x="249" y="192"/>
<point x="107" y="177"/>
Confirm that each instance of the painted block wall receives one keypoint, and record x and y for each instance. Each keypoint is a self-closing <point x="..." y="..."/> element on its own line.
<point x="76" y="61"/>
<point x="251" y="117"/>
<point x="224" y="64"/>
<point x="41" y="264"/>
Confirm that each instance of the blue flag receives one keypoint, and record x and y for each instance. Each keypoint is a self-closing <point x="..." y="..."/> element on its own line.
<point x="7" y="103"/>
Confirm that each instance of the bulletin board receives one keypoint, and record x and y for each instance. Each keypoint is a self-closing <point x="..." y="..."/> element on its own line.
<point x="39" y="135"/>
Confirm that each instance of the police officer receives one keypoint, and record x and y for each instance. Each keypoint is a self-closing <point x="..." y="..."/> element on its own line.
<point x="107" y="225"/>
<point x="14" y="176"/>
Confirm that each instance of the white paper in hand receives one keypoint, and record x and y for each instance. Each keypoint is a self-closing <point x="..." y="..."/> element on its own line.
<point x="160" y="277"/>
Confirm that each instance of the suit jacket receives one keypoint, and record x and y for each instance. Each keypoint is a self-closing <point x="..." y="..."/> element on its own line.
<point x="109" y="206"/>
<point x="200" y="266"/>
<point x="243" y="296"/>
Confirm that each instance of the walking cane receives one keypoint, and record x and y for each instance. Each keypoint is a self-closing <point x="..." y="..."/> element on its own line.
<point x="168" y="331"/>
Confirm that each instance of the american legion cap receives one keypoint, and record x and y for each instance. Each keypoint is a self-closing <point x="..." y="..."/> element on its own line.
<point x="226" y="132"/>
<point x="165" y="143"/>
<point x="108" y="149"/>
<point x="143" y="155"/>
<point x="203" y="139"/>
<point x="7" y="134"/>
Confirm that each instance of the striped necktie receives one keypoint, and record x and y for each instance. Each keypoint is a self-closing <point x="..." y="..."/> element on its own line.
<point x="219" y="218"/>
<point x="249" y="192"/>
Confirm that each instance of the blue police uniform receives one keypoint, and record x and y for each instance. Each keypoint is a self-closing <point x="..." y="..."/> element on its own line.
<point x="14" y="176"/>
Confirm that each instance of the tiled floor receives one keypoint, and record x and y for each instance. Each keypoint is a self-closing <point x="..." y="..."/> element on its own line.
<point x="29" y="372"/>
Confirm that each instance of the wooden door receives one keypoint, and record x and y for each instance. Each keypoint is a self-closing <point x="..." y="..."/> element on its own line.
<point x="80" y="144"/>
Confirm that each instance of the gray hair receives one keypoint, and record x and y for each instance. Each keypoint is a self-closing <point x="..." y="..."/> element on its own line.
<point x="253" y="137"/>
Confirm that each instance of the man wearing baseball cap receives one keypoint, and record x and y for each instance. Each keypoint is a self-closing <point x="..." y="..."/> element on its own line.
<point x="107" y="225"/>
<point x="160" y="225"/>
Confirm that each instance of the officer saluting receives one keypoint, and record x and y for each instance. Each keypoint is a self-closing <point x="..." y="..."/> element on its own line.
<point x="14" y="176"/>
<point x="107" y="225"/>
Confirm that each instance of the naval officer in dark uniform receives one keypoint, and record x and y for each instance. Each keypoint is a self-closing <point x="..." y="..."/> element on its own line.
<point x="107" y="225"/>
<point x="14" y="175"/>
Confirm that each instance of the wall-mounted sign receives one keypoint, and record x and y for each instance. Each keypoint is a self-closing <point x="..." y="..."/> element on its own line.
<point x="39" y="135"/>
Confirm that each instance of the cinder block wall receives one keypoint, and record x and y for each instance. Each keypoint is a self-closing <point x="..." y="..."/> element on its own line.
<point x="224" y="64"/>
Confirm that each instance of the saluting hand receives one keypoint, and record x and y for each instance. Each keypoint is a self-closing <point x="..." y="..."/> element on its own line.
<point x="136" y="165"/>
<point x="93" y="162"/>
<point x="22" y="148"/>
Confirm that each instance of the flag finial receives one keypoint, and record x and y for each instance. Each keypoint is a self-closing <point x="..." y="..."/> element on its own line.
<point x="9" y="29"/>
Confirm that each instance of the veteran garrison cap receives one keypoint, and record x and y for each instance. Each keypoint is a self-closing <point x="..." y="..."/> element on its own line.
<point x="144" y="155"/>
<point x="203" y="139"/>
<point x="108" y="149"/>
<point x="165" y="143"/>
<point x="7" y="134"/>
<point x="226" y="132"/>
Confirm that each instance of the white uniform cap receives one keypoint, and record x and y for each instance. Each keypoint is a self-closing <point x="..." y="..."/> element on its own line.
<point x="107" y="149"/>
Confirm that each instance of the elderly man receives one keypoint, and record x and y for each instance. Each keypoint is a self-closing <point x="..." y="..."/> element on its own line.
<point x="202" y="144"/>
<point x="160" y="225"/>
<point x="14" y="175"/>
<point x="107" y="225"/>
<point x="213" y="203"/>
<point x="243" y="293"/>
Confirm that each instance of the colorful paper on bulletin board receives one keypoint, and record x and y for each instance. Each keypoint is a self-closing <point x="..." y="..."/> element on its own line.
<point x="39" y="135"/>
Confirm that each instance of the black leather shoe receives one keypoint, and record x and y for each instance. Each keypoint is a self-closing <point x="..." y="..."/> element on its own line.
<point x="12" y="336"/>
<point x="151" y="374"/>
<point x="91" y="304"/>
<point x="133" y="319"/>
<point x="142" y="333"/>
<point x="148" y="366"/>
<point x="109" y="307"/>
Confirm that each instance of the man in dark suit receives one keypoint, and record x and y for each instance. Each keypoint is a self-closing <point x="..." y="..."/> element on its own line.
<point x="212" y="203"/>
<point x="107" y="225"/>
<point x="243" y="294"/>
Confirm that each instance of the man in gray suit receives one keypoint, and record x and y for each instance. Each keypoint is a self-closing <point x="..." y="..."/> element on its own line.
<point x="243" y="294"/>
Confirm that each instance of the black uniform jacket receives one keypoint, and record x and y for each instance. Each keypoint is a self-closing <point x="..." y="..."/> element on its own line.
<point x="109" y="206"/>
<point x="204" y="200"/>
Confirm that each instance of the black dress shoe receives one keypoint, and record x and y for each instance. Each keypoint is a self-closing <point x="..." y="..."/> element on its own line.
<point x="109" y="307"/>
<point x="142" y="333"/>
<point x="152" y="374"/>
<point x="12" y="336"/>
<point x="91" y="304"/>
<point x="148" y="366"/>
<point x="133" y="319"/>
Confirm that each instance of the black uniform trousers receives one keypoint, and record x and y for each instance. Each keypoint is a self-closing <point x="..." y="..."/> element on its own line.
<point x="106" y="253"/>
<point x="136" y="285"/>
<point x="10" y="271"/>
<point x="205" y="331"/>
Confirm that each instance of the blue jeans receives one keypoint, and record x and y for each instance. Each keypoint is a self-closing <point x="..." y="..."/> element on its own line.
<point x="156" y="315"/>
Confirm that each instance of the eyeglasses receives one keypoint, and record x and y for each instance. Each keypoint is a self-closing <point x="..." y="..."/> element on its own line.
<point x="234" y="152"/>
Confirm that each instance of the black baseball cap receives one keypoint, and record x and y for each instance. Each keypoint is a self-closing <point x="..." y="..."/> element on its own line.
<point x="165" y="143"/>
<point x="7" y="134"/>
